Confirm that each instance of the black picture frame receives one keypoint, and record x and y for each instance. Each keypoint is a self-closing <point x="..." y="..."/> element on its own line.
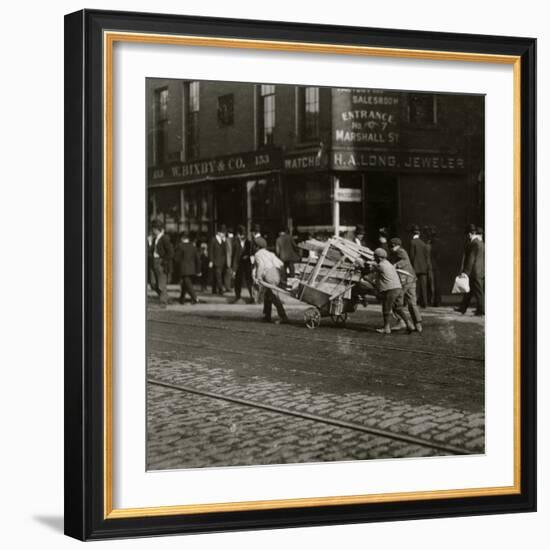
<point x="84" y="282"/>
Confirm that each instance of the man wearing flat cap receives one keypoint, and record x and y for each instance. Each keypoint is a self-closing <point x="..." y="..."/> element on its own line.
<point x="407" y="275"/>
<point x="391" y="292"/>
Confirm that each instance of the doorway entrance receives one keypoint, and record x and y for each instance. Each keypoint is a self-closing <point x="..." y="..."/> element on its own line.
<point x="230" y="200"/>
<point x="381" y="204"/>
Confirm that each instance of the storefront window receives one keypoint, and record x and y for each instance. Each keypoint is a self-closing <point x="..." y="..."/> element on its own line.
<point x="265" y="208"/>
<point x="167" y="203"/>
<point x="196" y="210"/>
<point x="310" y="204"/>
<point x="351" y="212"/>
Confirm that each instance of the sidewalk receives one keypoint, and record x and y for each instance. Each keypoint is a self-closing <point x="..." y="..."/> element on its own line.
<point x="447" y="301"/>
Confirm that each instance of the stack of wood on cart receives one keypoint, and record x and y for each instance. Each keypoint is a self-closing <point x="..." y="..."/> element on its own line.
<point x="331" y="269"/>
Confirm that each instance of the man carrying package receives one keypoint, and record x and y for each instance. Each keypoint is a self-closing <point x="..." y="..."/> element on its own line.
<point x="268" y="269"/>
<point x="391" y="292"/>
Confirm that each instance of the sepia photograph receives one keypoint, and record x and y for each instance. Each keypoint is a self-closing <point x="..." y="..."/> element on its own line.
<point x="315" y="274"/>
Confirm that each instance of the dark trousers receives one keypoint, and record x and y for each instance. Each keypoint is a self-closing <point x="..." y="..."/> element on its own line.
<point x="187" y="287"/>
<point x="243" y="273"/>
<point x="160" y="280"/>
<point x="287" y="271"/>
<point x="227" y="277"/>
<point x="204" y="278"/>
<point x="409" y="301"/>
<point x="422" y="289"/>
<point x="477" y="291"/>
<point x="434" y="293"/>
<point x="392" y="300"/>
<point x="217" y="280"/>
<point x="271" y="298"/>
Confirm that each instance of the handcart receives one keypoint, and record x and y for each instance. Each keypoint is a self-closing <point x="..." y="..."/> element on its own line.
<point x="326" y="279"/>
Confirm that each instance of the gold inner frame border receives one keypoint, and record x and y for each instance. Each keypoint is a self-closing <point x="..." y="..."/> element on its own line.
<point x="109" y="39"/>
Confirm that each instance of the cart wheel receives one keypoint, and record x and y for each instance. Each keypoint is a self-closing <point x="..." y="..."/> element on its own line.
<point x="312" y="317"/>
<point x="339" y="319"/>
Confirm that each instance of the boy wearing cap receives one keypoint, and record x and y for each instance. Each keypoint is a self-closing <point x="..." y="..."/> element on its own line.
<point x="390" y="289"/>
<point x="407" y="275"/>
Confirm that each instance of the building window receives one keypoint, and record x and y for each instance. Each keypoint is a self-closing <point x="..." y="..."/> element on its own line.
<point x="225" y="110"/>
<point x="422" y="109"/>
<point x="309" y="113"/>
<point x="192" y="108"/>
<point x="266" y="115"/>
<point x="161" y="125"/>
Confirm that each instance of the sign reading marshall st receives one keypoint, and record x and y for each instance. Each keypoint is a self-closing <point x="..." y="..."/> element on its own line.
<point x="216" y="167"/>
<point x="363" y="117"/>
<point x="401" y="161"/>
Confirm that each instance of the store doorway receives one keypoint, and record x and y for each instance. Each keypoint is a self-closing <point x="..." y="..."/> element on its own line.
<point x="230" y="204"/>
<point x="381" y="205"/>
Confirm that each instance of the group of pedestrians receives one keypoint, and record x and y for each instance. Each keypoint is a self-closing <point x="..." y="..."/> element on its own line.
<point x="227" y="260"/>
<point x="406" y="282"/>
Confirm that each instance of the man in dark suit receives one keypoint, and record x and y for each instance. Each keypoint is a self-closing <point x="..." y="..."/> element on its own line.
<point x="288" y="252"/>
<point x="420" y="259"/>
<point x="474" y="267"/>
<point x="218" y="260"/>
<point x="162" y="254"/>
<point x="228" y="270"/>
<point x="188" y="264"/>
<point x="240" y="264"/>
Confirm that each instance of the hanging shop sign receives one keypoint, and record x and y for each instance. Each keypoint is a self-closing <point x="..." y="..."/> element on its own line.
<point x="402" y="161"/>
<point x="228" y="165"/>
<point x="365" y="117"/>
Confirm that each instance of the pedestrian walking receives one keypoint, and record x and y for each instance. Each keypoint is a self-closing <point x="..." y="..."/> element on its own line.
<point x="474" y="268"/>
<point x="162" y="254"/>
<point x="288" y="252"/>
<point x="205" y="270"/>
<point x="228" y="269"/>
<point x="400" y="259"/>
<point x="218" y="260"/>
<point x="434" y="277"/>
<point x="240" y="263"/>
<point x="268" y="268"/>
<point x="188" y="263"/>
<point x="391" y="292"/>
<point x="420" y="261"/>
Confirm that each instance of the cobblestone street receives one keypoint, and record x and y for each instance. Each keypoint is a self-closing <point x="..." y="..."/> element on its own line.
<point x="225" y="389"/>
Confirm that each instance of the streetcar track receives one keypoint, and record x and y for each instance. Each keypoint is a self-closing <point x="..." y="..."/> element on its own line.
<point x="406" y="438"/>
<point x="291" y="358"/>
<point x="346" y="341"/>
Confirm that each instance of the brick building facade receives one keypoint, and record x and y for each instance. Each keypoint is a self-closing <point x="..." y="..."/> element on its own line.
<point x="315" y="159"/>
